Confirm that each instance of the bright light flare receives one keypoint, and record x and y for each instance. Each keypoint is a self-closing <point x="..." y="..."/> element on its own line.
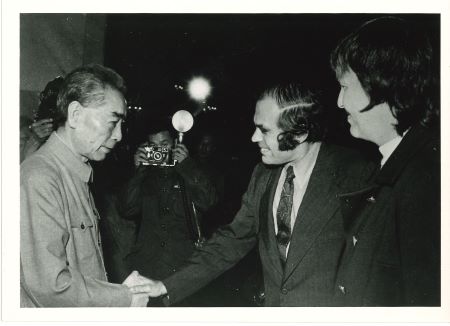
<point x="199" y="88"/>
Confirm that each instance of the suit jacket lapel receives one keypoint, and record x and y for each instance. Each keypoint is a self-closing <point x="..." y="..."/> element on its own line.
<point x="267" y="223"/>
<point x="318" y="206"/>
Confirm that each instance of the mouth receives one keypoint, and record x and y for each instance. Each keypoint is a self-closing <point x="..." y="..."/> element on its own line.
<point x="107" y="149"/>
<point x="264" y="151"/>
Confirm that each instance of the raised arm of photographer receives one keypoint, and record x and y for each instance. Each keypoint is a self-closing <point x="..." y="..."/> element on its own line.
<point x="140" y="155"/>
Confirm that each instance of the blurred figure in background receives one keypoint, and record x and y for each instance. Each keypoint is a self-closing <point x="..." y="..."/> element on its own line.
<point x="34" y="133"/>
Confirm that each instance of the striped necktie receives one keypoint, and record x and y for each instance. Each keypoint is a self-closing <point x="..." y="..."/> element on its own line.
<point x="284" y="213"/>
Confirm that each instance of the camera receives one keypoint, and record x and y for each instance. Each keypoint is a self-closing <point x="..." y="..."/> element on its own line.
<point x="159" y="156"/>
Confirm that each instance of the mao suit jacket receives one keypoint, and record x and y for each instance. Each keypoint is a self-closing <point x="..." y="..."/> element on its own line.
<point x="316" y="243"/>
<point x="392" y="255"/>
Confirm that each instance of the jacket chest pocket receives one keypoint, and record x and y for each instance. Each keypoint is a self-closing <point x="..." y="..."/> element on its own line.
<point x="83" y="240"/>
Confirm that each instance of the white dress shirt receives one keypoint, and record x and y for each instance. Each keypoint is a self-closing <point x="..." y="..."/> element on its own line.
<point x="388" y="148"/>
<point x="303" y="170"/>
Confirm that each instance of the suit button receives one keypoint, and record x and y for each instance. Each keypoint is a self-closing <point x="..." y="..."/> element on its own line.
<point x="342" y="288"/>
<point x="82" y="226"/>
<point x="163" y="244"/>
<point x="163" y="226"/>
<point x="284" y="291"/>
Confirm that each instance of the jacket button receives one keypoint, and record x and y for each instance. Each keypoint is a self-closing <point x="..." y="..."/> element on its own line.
<point x="342" y="288"/>
<point x="284" y="291"/>
<point x="82" y="226"/>
<point x="163" y="226"/>
<point x="163" y="244"/>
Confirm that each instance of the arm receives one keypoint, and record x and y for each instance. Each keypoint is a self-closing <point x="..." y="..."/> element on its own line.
<point x="226" y="247"/>
<point x="39" y="132"/>
<point x="130" y="197"/>
<point x="47" y="277"/>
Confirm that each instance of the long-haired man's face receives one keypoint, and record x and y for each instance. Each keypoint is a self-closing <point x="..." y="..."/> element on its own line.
<point x="375" y="125"/>
<point x="266" y="117"/>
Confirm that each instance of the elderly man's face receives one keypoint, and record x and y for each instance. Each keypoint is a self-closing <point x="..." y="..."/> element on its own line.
<point x="100" y="127"/>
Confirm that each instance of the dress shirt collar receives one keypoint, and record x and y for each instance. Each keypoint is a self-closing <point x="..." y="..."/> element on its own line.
<point x="69" y="159"/>
<point x="388" y="148"/>
<point x="303" y="166"/>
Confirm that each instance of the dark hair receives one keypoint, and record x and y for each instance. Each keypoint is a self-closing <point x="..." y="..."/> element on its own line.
<point x="157" y="125"/>
<point x="47" y="101"/>
<point x="393" y="62"/>
<point x="302" y="113"/>
<point x="87" y="84"/>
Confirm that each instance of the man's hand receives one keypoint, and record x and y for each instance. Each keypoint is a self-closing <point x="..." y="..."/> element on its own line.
<point x="140" y="156"/>
<point x="180" y="152"/>
<point x="154" y="288"/>
<point x="42" y="129"/>
<point x="135" y="279"/>
<point x="138" y="299"/>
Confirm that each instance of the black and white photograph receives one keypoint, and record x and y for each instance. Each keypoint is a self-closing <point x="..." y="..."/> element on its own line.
<point x="211" y="164"/>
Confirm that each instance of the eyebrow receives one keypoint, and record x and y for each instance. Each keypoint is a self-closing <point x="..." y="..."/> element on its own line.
<point x="119" y="115"/>
<point x="260" y="126"/>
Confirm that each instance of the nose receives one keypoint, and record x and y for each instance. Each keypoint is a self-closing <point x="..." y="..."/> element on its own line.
<point x="340" y="100"/>
<point x="117" y="132"/>
<point x="256" y="137"/>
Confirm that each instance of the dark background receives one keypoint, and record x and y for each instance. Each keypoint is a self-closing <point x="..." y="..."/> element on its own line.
<point x="239" y="54"/>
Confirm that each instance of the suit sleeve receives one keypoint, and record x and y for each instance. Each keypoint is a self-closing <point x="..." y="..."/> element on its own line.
<point x="200" y="186"/>
<point x="46" y="276"/>
<point x="225" y="248"/>
<point x="418" y="215"/>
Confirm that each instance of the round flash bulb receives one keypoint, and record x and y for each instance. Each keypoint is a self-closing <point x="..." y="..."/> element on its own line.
<point x="182" y="121"/>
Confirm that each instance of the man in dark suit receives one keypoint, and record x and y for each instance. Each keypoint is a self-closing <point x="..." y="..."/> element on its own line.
<point x="392" y="255"/>
<point x="290" y="209"/>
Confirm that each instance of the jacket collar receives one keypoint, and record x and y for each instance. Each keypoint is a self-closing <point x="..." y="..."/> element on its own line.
<point x="69" y="159"/>
<point x="411" y="144"/>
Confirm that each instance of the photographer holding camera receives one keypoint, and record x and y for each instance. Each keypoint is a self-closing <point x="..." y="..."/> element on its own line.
<point x="165" y="197"/>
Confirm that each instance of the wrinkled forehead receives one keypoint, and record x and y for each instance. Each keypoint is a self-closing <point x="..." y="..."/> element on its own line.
<point x="111" y="99"/>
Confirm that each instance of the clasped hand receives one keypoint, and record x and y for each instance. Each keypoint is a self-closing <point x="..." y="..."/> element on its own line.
<point x="142" y="288"/>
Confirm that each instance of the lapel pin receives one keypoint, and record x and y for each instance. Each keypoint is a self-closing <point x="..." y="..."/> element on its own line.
<point x="371" y="199"/>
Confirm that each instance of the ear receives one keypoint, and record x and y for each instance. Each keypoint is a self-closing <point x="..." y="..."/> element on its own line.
<point x="74" y="111"/>
<point x="301" y="138"/>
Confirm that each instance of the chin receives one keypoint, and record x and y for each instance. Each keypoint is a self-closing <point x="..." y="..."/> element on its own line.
<point x="97" y="157"/>
<point x="354" y="132"/>
<point x="271" y="161"/>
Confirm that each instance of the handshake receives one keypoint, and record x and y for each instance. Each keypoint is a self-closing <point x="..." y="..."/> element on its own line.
<point x="142" y="288"/>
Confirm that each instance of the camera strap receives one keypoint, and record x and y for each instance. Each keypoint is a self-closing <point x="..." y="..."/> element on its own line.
<point x="191" y="216"/>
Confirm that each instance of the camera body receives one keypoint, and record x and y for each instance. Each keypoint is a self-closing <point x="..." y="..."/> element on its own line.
<point x="158" y="156"/>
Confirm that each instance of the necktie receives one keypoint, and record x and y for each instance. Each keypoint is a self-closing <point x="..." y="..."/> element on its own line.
<point x="284" y="213"/>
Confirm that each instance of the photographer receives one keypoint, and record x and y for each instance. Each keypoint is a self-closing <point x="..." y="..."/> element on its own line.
<point x="35" y="133"/>
<point x="165" y="201"/>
